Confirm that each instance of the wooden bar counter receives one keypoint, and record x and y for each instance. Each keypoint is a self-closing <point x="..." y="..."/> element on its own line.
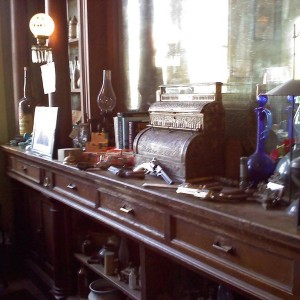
<point x="253" y="251"/>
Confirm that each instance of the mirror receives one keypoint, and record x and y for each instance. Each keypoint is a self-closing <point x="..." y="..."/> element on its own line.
<point x="238" y="42"/>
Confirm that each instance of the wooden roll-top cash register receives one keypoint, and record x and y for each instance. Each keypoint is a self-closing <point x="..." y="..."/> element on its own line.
<point x="186" y="132"/>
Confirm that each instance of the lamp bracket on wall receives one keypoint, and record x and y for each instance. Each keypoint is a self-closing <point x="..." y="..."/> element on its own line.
<point x="41" y="54"/>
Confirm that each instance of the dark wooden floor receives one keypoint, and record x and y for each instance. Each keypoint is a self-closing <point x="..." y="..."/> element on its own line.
<point x="21" y="289"/>
<point x="14" y="282"/>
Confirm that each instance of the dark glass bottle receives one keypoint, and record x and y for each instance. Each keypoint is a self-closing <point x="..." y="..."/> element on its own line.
<point x="260" y="165"/>
<point x="26" y="107"/>
<point x="82" y="283"/>
<point x="123" y="253"/>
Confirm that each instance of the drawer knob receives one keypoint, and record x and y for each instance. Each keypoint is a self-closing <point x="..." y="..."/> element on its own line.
<point x="24" y="168"/>
<point x="72" y="186"/>
<point x="126" y="210"/>
<point x="223" y="248"/>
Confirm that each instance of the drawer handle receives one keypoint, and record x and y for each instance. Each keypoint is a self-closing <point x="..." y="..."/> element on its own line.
<point x="25" y="169"/>
<point x="72" y="186"/>
<point x="223" y="248"/>
<point x="46" y="182"/>
<point x="126" y="209"/>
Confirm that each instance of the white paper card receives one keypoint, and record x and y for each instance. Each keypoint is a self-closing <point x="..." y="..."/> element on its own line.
<point x="48" y="78"/>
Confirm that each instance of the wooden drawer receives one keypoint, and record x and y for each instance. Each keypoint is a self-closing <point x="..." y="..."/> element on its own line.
<point x="76" y="189"/>
<point x="133" y="211"/>
<point x="250" y="261"/>
<point x="25" y="169"/>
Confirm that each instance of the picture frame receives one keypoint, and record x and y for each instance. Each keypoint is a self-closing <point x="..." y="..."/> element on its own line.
<point x="44" y="127"/>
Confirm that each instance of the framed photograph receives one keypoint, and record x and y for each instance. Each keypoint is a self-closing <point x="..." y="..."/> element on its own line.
<point x="44" y="127"/>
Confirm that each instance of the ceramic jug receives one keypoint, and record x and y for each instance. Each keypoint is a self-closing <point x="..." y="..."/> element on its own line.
<point x="100" y="289"/>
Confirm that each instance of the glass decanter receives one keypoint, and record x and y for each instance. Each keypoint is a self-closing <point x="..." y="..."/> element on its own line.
<point x="260" y="165"/>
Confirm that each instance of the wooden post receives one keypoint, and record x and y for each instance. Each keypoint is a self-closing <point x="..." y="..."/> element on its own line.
<point x="61" y="98"/>
<point x="60" y="252"/>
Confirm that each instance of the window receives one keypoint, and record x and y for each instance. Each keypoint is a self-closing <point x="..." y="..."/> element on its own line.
<point x="241" y="43"/>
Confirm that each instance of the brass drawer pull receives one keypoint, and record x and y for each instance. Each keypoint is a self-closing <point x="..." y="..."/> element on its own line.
<point x="72" y="186"/>
<point x="223" y="248"/>
<point x="126" y="209"/>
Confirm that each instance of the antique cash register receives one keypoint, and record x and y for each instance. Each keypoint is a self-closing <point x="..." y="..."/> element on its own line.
<point x="186" y="132"/>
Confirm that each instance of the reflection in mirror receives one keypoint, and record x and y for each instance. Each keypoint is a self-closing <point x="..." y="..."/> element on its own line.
<point x="238" y="42"/>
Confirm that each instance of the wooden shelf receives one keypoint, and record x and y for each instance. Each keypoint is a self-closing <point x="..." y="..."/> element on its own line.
<point x="75" y="91"/>
<point x="73" y="41"/>
<point x="99" y="270"/>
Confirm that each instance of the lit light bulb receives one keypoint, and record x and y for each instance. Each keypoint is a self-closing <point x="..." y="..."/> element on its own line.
<point x="41" y="25"/>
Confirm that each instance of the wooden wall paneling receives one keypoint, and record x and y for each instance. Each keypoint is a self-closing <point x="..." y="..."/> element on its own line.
<point x="102" y="45"/>
<point x="19" y="50"/>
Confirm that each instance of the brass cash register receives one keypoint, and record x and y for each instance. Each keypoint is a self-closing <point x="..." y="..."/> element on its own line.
<point x="186" y="132"/>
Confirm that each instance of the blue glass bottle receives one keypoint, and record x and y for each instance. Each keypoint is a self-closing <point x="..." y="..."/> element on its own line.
<point x="260" y="164"/>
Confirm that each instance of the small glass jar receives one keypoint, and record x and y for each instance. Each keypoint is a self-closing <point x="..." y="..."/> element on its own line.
<point x="84" y="134"/>
<point x="72" y="32"/>
<point x="86" y="247"/>
<point x="105" y="249"/>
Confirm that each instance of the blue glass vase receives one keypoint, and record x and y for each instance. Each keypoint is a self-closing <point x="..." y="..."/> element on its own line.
<point x="260" y="165"/>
